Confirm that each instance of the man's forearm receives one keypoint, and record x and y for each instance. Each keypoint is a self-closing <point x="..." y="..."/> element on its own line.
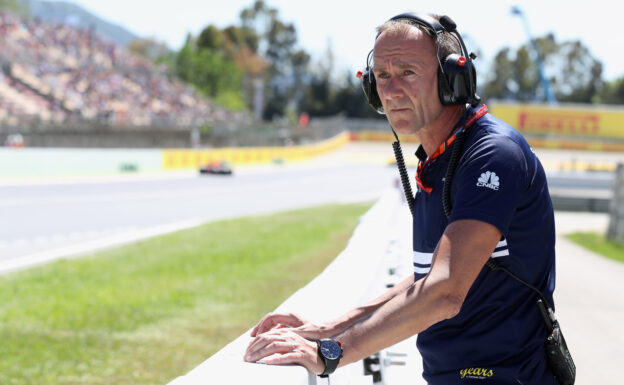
<point x="369" y="308"/>
<point x="406" y="314"/>
<point x="434" y="298"/>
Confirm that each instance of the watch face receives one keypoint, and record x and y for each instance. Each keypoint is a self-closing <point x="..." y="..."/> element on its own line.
<point x="330" y="350"/>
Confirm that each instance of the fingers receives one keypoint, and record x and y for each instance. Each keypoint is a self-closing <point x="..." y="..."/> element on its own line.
<point x="267" y="343"/>
<point x="267" y="349"/>
<point x="285" y="359"/>
<point x="283" y="346"/>
<point x="272" y="320"/>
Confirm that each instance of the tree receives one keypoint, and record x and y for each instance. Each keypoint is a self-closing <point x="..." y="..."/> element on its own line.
<point x="15" y="6"/>
<point x="525" y="76"/>
<point x="612" y="92"/>
<point x="574" y="74"/>
<point x="500" y="85"/>
<point x="210" y="72"/>
<point x="211" y="38"/>
<point x="580" y="80"/>
<point x="286" y="64"/>
<point x="351" y="101"/>
<point x="317" y="98"/>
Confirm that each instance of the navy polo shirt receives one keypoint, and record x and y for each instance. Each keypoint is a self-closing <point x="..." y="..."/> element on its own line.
<point x="498" y="335"/>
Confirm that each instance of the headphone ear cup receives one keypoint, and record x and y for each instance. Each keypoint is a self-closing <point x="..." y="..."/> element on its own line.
<point x="456" y="80"/>
<point x="369" y="85"/>
<point x="444" y="91"/>
<point x="474" y="99"/>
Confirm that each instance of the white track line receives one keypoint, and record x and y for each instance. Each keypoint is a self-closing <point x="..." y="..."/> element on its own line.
<point x="19" y="263"/>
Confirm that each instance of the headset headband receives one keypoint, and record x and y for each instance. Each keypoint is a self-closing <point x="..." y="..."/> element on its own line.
<point x="421" y="19"/>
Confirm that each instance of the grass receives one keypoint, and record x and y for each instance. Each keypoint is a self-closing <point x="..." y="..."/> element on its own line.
<point x="149" y="312"/>
<point x="599" y="244"/>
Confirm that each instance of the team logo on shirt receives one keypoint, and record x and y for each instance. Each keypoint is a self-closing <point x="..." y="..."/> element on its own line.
<point x="476" y="373"/>
<point x="489" y="179"/>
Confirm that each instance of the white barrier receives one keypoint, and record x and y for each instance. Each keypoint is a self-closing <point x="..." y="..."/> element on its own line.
<point x="378" y="254"/>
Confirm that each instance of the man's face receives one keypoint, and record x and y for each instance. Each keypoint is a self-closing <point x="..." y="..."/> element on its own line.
<point x="405" y="68"/>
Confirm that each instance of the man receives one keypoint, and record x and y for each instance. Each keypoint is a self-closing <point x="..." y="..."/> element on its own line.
<point x="474" y="325"/>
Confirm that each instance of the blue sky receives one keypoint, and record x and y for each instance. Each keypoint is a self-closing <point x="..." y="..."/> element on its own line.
<point x="349" y="26"/>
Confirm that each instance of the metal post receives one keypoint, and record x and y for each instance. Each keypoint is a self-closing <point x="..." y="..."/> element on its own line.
<point x="616" y="221"/>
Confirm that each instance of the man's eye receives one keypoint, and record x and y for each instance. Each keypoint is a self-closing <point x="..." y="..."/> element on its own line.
<point x="383" y="75"/>
<point x="408" y="72"/>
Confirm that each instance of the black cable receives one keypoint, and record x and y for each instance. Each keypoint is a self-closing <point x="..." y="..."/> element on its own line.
<point x="450" y="173"/>
<point x="495" y="266"/>
<point x="458" y="147"/>
<point x="407" y="186"/>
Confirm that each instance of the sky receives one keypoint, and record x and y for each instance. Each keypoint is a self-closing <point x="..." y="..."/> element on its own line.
<point x="348" y="27"/>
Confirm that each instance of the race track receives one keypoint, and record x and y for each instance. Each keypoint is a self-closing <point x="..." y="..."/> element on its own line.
<point x="47" y="219"/>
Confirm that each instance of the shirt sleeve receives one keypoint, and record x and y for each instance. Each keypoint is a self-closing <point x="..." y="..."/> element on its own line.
<point x="489" y="182"/>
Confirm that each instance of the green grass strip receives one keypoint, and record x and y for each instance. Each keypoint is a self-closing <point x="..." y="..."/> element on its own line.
<point x="600" y="244"/>
<point x="149" y="312"/>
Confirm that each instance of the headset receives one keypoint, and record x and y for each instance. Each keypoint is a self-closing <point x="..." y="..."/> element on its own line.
<point x="457" y="77"/>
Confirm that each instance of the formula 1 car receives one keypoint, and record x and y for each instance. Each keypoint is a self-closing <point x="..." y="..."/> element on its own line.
<point x="219" y="168"/>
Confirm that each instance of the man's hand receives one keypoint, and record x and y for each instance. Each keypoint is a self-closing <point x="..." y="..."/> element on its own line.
<point x="299" y="325"/>
<point x="284" y="346"/>
<point x="277" y="320"/>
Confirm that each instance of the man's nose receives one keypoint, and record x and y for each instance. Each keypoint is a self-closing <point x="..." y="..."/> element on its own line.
<point x="392" y="89"/>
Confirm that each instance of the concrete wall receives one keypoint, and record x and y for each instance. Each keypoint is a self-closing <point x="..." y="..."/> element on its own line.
<point x="373" y="259"/>
<point x="36" y="162"/>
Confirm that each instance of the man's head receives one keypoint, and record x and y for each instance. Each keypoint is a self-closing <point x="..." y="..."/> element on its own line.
<point x="426" y="44"/>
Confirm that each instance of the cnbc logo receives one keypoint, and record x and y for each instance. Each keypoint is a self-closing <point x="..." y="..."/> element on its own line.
<point x="489" y="179"/>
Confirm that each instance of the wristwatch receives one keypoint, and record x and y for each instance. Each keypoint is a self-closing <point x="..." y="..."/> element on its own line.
<point x="330" y="352"/>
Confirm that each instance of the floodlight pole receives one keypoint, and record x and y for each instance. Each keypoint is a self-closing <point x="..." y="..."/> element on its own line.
<point x="517" y="11"/>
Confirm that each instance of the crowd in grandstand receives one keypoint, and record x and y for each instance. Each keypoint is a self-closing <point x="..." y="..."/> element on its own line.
<point x="55" y="73"/>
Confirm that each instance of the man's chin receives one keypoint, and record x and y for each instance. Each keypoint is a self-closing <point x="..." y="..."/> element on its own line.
<point x="403" y="127"/>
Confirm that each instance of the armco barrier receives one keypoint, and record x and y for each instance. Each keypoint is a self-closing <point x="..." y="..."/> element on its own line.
<point x="380" y="244"/>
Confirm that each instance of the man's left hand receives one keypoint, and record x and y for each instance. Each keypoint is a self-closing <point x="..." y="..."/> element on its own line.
<point x="284" y="346"/>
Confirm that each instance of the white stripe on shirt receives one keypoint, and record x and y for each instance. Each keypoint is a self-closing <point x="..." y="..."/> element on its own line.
<point x="422" y="258"/>
<point x="501" y="253"/>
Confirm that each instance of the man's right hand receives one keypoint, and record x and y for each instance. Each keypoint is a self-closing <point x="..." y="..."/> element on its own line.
<point x="299" y="325"/>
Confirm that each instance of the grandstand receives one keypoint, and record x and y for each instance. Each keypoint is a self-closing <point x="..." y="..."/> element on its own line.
<point x="56" y="74"/>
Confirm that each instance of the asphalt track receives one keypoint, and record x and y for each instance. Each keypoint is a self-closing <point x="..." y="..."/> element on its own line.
<point x="47" y="219"/>
<point x="44" y="219"/>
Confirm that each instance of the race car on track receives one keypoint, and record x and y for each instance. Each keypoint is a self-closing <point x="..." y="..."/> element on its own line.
<point x="220" y="168"/>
